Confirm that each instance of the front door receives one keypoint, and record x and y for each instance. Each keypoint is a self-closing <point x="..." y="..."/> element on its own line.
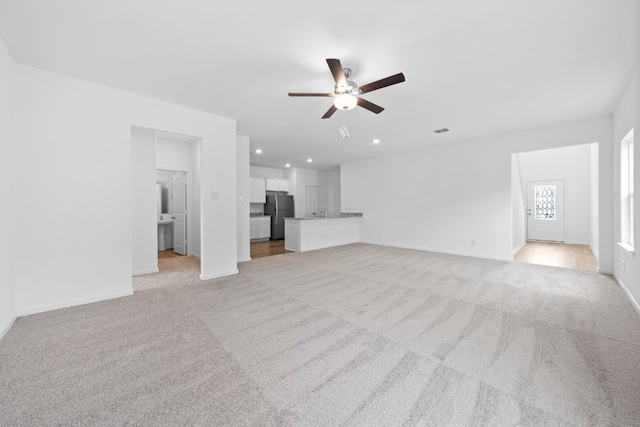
<point x="179" y="213"/>
<point x="545" y="211"/>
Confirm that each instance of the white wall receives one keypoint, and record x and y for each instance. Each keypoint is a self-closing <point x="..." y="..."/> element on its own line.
<point x="7" y="300"/>
<point x="144" y="228"/>
<point x="595" y="196"/>
<point x="333" y="188"/>
<point x="194" y="244"/>
<point x="517" y="206"/>
<point x="573" y="166"/>
<point x="627" y="117"/>
<point x="441" y="198"/>
<point x="264" y="172"/>
<point x="244" y="191"/>
<point x="75" y="137"/>
<point x="174" y="155"/>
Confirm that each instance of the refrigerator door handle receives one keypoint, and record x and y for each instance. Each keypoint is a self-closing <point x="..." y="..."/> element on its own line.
<point x="276" y="197"/>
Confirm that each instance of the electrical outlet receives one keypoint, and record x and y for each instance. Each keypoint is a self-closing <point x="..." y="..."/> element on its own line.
<point x="623" y="264"/>
<point x="473" y="242"/>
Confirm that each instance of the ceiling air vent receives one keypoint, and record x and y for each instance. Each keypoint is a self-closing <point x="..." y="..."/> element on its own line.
<point x="443" y="130"/>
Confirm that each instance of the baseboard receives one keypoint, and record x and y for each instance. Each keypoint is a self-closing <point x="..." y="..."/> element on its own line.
<point x="593" y="251"/>
<point x="7" y="327"/>
<point x="141" y="272"/>
<point x="70" y="303"/>
<point x="577" y="242"/>
<point x="244" y="259"/>
<point x="219" y="274"/>
<point x="632" y="300"/>
<point x="440" y="251"/>
<point x="513" y="252"/>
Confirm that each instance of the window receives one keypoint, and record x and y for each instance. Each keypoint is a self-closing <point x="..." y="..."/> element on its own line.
<point x="627" y="191"/>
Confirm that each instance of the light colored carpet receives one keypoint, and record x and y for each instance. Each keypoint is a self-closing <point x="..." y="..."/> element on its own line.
<point x="175" y="270"/>
<point x="354" y="335"/>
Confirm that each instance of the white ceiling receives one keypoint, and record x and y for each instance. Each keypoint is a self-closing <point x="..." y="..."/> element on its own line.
<point x="476" y="67"/>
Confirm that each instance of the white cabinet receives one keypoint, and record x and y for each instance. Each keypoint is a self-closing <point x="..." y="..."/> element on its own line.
<point x="275" y="184"/>
<point x="264" y="227"/>
<point x="260" y="227"/>
<point x="253" y="228"/>
<point x="258" y="191"/>
<point x="272" y="184"/>
<point x="283" y="185"/>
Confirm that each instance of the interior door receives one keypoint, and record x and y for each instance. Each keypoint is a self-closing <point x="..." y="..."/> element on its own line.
<point x="180" y="213"/>
<point x="545" y="211"/>
<point x="312" y="200"/>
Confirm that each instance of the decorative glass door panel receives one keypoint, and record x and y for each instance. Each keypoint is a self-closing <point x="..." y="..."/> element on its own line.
<point x="545" y="202"/>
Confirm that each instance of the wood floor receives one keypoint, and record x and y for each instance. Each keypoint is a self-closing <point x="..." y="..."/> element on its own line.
<point x="267" y="248"/>
<point x="168" y="258"/>
<point x="170" y="261"/>
<point x="579" y="257"/>
<point x="167" y="254"/>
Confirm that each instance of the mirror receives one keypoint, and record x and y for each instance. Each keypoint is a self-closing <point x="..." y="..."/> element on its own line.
<point x="163" y="198"/>
<point x="165" y="190"/>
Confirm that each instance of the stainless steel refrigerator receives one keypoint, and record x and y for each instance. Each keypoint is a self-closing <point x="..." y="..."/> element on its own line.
<point x="279" y="206"/>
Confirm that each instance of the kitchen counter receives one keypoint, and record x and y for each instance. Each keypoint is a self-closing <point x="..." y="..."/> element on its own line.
<point x="342" y="216"/>
<point x="306" y="234"/>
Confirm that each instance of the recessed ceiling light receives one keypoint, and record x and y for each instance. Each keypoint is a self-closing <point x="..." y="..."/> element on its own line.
<point x="258" y="151"/>
<point x="309" y="160"/>
<point x="376" y="141"/>
<point x="287" y="165"/>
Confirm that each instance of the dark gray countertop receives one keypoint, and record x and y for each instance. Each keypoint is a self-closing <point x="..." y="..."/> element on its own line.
<point x="342" y="216"/>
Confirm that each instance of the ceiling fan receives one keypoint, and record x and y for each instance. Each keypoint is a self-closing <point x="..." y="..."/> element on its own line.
<point x="346" y="94"/>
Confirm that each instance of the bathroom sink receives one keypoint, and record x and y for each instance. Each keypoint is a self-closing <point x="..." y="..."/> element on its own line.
<point x="162" y="225"/>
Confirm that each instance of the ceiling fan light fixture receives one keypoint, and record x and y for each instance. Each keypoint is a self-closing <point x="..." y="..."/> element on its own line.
<point x="345" y="101"/>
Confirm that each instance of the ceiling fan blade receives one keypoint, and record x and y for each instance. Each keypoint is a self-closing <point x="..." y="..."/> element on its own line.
<point x="391" y="80"/>
<point x="370" y="106"/>
<point x="338" y="73"/>
<point x="310" y="94"/>
<point x="330" y="112"/>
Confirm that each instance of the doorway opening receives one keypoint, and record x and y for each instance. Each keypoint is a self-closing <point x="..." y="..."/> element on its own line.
<point x="175" y="229"/>
<point x="166" y="203"/>
<point x="555" y="206"/>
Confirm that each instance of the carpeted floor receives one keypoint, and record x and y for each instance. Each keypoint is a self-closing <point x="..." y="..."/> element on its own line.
<point x="354" y="335"/>
<point x="174" y="270"/>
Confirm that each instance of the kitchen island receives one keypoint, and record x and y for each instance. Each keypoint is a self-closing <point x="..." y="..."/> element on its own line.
<point x="307" y="234"/>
